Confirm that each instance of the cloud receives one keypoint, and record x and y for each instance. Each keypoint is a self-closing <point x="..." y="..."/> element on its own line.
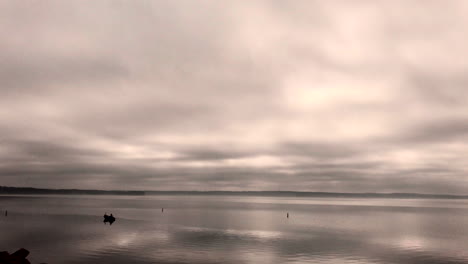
<point x="355" y="96"/>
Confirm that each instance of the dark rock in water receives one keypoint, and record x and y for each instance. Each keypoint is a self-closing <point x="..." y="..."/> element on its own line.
<point x="19" y="257"/>
<point x="3" y="256"/>
<point x="20" y="253"/>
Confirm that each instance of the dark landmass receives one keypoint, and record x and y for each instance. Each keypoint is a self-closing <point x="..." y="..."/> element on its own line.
<point x="27" y="190"/>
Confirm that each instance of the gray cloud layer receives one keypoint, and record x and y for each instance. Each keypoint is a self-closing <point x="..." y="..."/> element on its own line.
<point x="356" y="96"/>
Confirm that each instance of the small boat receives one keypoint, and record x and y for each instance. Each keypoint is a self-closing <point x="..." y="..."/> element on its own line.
<point x="109" y="219"/>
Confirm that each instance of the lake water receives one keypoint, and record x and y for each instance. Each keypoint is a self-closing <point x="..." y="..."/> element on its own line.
<point x="235" y="229"/>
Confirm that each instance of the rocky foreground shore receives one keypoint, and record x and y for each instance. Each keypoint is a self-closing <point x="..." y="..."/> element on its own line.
<point x="19" y="257"/>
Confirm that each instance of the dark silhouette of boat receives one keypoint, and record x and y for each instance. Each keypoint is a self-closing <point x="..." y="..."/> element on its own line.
<point x="109" y="219"/>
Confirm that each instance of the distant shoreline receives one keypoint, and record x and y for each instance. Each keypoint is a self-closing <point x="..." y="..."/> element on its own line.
<point x="4" y="190"/>
<point x="29" y="190"/>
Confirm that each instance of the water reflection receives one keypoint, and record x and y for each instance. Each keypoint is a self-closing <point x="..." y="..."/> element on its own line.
<point x="235" y="230"/>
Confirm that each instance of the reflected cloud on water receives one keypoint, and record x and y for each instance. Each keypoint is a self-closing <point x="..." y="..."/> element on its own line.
<point x="210" y="234"/>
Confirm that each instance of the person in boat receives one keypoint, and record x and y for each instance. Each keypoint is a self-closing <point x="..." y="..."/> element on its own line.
<point x="111" y="219"/>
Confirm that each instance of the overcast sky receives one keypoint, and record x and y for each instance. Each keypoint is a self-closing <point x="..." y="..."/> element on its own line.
<point x="345" y="96"/>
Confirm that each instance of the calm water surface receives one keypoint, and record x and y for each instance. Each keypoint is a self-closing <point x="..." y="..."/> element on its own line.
<point x="233" y="229"/>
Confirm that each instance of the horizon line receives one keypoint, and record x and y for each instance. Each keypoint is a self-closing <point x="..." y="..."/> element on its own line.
<point x="243" y="191"/>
